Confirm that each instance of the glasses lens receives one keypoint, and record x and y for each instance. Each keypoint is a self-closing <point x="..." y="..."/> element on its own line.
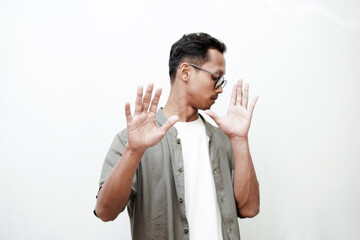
<point x="220" y="82"/>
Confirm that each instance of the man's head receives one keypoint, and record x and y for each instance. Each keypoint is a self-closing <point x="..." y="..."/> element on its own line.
<point x="197" y="67"/>
<point x="193" y="47"/>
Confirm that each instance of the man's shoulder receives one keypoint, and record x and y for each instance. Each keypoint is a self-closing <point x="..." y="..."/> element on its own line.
<point x="120" y="138"/>
<point x="122" y="134"/>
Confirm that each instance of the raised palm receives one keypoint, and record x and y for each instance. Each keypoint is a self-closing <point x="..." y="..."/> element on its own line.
<point x="141" y="127"/>
<point x="236" y="123"/>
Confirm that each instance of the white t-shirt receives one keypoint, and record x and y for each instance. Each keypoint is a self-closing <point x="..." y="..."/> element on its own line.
<point x="202" y="209"/>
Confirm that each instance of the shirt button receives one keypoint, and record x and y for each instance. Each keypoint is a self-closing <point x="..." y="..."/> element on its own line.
<point x="180" y="169"/>
<point x="181" y="200"/>
<point x="178" y="141"/>
<point x="215" y="171"/>
<point x="186" y="231"/>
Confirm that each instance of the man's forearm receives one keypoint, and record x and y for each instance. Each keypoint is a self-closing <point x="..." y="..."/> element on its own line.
<point x="115" y="192"/>
<point x="246" y="187"/>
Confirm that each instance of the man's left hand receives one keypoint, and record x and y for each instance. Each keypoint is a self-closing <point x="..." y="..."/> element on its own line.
<point x="236" y="123"/>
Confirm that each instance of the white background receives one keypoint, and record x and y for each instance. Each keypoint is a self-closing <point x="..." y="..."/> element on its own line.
<point x="68" y="67"/>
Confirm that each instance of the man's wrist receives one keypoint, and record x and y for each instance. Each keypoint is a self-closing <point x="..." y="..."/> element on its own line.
<point x="135" y="152"/>
<point x="239" y="140"/>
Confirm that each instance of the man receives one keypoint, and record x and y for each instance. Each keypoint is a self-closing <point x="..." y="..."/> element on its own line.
<point x="180" y="177"/>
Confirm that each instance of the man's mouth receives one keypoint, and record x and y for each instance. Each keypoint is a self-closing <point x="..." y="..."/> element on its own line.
<point x="214" y="97"/>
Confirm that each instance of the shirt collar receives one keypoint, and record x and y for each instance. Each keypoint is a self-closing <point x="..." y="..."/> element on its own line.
<point x="161" y="119"/>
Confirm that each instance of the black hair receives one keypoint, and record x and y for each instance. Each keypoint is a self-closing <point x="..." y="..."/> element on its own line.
<point x="194" y="47"/>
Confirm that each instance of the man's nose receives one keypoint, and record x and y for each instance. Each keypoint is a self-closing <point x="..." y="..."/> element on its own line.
<point x="219" y="89"/>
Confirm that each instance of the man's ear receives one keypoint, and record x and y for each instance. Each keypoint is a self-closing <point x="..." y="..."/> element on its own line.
<point x="184" y="72"/>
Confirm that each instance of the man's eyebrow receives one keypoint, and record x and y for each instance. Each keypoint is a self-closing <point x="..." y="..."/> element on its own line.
<point x="220" y="73"/>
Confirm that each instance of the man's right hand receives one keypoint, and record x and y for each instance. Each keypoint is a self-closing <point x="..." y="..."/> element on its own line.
<point x="142" y="133"/>
<point x="141" y="127"/>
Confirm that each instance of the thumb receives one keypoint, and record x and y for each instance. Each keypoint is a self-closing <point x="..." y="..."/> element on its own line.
<point x="170" y="122"/>
<point x="213" y="115"/>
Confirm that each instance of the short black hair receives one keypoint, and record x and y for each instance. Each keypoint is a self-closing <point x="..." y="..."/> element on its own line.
<point x="193" y="46"/>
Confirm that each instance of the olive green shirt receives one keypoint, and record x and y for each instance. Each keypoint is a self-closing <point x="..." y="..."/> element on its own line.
<point x="156" y="205"/>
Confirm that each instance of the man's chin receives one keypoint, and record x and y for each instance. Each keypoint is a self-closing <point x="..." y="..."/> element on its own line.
<point x="206" y="107"/>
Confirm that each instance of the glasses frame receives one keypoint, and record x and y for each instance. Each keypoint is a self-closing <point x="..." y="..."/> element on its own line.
<point x="220" y="79"/>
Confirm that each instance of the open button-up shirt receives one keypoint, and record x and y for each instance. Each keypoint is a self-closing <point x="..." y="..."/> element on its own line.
<point x="156" y="205"/>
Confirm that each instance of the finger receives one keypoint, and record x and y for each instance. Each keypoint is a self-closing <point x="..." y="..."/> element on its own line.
<point x="147" y="97"/>
<point x="213" y="115"/>
<point x="170" y="122"/>
<point x="239" y="92"/>
<point x="128" y="112"/>
<point x="233" y="96"/>
<point x="252" y="105"/>
<point x="245" y="97"/>
<point x="138" y="101"/>
<point x="155" y="100"/>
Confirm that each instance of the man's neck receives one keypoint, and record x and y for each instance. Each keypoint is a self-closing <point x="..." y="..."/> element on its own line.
<point x="177" y="105"/>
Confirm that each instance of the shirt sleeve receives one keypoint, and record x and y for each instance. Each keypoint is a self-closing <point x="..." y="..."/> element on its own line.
<point x="112" y="157"/>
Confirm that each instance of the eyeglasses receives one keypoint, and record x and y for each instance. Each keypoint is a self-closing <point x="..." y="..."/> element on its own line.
<point x="220" y="80"/>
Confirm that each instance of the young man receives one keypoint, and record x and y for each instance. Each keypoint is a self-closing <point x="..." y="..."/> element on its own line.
<point x="180" y="177"/>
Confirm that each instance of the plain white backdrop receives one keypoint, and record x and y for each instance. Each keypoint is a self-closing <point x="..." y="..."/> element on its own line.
<point x="68" y="67"/>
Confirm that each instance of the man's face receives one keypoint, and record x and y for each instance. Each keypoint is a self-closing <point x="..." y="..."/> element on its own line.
<point x="201" y="87"/>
